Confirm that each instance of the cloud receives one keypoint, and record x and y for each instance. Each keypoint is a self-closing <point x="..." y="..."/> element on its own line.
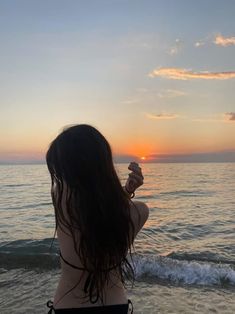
<point x="171" y="93"/>
<point x="217" y="156"/>
<point x="199" y="44"/>
<point x="161" y="116"/>
<point x="129" y="101"/>
<point x="204" y="41"/>
<point x="184" y="74"/>
<point x="230" y="116"/>
<point x="218" y="118"/>
<point x="224" y="41"/>
<point x="176" y="48"/>
<point x="218" y="40"/>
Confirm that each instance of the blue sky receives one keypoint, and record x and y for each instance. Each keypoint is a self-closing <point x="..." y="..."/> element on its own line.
<point x="109" y="64"/>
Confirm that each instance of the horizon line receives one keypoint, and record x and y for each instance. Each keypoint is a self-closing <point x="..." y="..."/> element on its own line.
<point x="216" y="156"/>
<point x="22" y="163"/>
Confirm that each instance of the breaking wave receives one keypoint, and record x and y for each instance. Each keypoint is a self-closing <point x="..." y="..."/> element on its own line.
<point x="181" y="269"/>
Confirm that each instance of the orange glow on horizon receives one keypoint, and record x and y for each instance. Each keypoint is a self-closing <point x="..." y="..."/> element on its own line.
<point x="141" y="149"/>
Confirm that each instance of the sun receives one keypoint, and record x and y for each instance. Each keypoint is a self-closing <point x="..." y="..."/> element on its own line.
<point x="143" y="158"/>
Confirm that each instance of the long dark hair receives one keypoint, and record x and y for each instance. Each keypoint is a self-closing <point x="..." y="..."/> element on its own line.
<point x="96" y="204"/>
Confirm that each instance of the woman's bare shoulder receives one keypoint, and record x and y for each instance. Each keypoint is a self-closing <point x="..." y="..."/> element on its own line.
<point x="139" y="214"/>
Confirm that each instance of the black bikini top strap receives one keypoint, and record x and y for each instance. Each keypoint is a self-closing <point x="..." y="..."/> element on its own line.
<point x="50" y="305"/>
<point x="71" y="265"/>
<point x="83" y="268"/>
<point x="130" y="304"/>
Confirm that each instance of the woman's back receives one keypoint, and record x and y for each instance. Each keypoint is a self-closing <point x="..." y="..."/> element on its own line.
<point x="73" y="274"/>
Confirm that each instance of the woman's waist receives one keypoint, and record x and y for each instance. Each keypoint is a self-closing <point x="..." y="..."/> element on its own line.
<point x="70" y="292"/>
<point x="70" y="277"/>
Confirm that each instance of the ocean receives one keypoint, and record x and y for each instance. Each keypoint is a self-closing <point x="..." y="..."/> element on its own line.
<point x="184" y="256"/>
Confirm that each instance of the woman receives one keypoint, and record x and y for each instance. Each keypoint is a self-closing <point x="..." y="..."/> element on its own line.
<point x="96" y="222"/>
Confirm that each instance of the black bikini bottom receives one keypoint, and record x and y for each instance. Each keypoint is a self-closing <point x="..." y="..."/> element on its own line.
<point x="107" y="309"/>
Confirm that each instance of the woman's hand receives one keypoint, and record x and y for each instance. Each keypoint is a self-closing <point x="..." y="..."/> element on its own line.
<point x="135" y="179"/>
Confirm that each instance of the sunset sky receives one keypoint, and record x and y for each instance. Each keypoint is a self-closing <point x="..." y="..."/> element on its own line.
<point x="157" y="78"/>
